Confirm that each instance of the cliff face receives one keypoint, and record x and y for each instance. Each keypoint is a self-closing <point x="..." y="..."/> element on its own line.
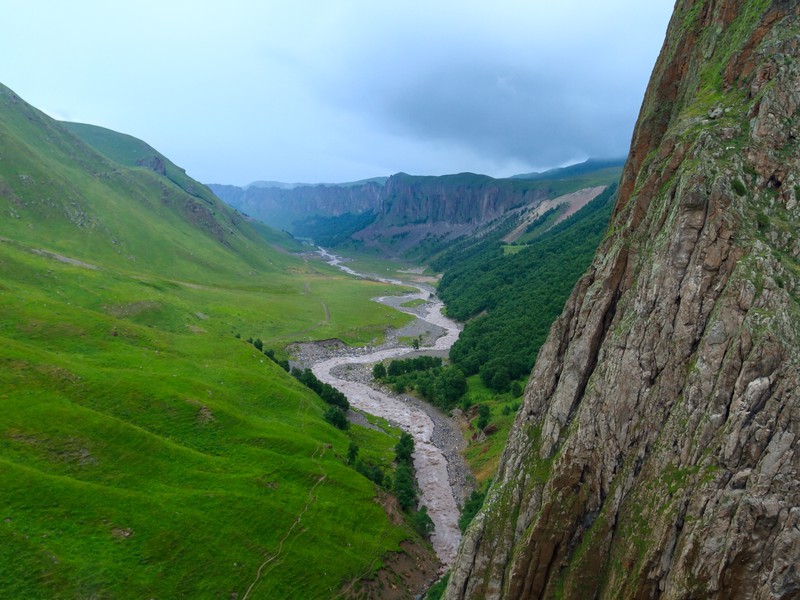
<point x="415" y="212"/>
<point x="464" y="199"/>
<point x="657" y="450"/>
<point x="411" y="213"/>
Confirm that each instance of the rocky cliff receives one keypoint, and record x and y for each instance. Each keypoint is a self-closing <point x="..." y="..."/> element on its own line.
<point x="403" y="200"/>
<point x="408" y="212"/>
<point x="416" y="212"/>
<point x="657" y="451"/>
<point x="465" y="198"/>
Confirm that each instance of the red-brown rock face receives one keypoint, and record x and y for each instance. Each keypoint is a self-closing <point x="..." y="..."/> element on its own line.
<point x="657" y="453"/>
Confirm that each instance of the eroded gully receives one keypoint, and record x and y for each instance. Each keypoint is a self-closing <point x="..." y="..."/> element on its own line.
<point x="430" y="460"/>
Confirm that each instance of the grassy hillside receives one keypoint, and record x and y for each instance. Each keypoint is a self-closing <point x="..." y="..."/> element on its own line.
<point x="132" y="152"/>
<point x="145" y="450"/>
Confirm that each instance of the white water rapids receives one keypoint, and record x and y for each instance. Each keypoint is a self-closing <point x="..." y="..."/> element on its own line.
<point x="430" y="463"/>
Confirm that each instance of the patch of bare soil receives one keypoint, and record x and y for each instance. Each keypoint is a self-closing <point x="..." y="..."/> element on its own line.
<point x="132" y="309"/>
<point x="65" y="259"/>
<point x="405" y="575"/>
<point x="574" y="201"/>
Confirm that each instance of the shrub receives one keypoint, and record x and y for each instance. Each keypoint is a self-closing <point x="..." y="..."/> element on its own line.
<point x="471" y="508"/>
<point x="352" y="453"/>
<point x="436" y="591"/>
<point x="378" y="371"/>
<point x="483" y="416"/>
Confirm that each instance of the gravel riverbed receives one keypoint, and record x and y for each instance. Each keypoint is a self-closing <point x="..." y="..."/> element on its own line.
<point x="442" y="475"/>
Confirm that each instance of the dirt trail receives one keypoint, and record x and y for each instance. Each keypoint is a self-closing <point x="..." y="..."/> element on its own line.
<point x="311" y="498"/>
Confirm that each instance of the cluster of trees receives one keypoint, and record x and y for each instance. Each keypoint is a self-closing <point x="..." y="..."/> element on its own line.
<point x="258" y="344"/>
<point x="439" y="385"/>
<point x="510" y="301"/>
<point x="404" y="485"/>
<point x="334" y="230"/>
<point x="336" y="414"/>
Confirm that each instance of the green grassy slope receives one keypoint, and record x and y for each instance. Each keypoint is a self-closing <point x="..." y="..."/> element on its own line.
<point x="144" y="450"/>
<point x="134" y="153"/>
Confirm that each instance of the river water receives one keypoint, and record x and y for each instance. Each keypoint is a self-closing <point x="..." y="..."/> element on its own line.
<point x="430" y="462"/>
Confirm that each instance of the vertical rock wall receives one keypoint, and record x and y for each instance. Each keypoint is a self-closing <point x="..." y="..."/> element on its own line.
<point x="656" y="454"/>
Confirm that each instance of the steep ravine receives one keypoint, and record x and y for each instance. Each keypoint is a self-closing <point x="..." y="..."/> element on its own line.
<point x="657" y="453"/>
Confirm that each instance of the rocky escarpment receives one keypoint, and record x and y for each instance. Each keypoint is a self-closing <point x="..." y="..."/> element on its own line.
<point x="407" y="213"/>
<point x="657" y="452"/>
<point x="465" y="198"/>
<point x="416" y="210"/>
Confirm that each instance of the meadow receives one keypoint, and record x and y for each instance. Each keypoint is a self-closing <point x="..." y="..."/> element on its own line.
<point x="146" y="449"/>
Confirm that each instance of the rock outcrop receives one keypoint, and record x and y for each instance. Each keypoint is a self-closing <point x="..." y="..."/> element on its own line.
<point x="657" y="451"/>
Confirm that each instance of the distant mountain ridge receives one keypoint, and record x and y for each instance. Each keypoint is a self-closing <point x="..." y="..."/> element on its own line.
<point x="290" y="186"/>
<point x="587" y="166"/>
<point x="407" y="213"/>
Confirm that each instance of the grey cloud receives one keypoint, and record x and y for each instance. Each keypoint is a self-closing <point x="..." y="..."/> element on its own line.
<point x="337" y="91"/>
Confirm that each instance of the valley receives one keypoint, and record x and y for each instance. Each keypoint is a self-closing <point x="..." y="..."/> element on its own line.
<point x="575" y="383"/>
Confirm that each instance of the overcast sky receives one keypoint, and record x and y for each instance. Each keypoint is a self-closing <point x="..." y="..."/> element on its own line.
<point x="340" y="90"/>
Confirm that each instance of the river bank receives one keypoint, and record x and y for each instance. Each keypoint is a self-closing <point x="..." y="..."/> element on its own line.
<point x="446" y="434"/>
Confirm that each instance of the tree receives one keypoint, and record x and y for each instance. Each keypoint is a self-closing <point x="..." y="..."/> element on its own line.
<point x="395" y="368"/>
<point x="378" y="371"/>
<point x="422" y="522"/>
<point x="483" y="416"/>
<point x="258" y="344"/>
<point x="501" y="380"/>
<point x="404" y="448"/>
<point x="450" y="385"/>
<point x="352" y="453"/>
<point x="404" y="487"/>
<point x="336" y="417"/>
